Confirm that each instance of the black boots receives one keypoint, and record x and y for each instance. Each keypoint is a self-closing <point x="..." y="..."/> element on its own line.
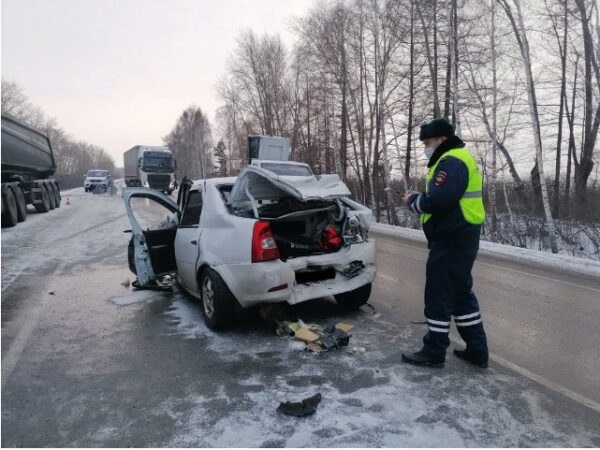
<point x="477" y="360"/>
<point x="422" y="358"/>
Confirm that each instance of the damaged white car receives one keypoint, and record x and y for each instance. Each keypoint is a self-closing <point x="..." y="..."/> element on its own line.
<point x="258" y="238"/>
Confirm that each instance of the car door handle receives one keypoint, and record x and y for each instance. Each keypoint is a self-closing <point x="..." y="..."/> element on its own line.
<point x="194" y="242"/>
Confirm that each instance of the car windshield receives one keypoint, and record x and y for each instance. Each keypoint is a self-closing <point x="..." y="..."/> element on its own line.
<point x="158" y="162"/>
<point x="97" y="173"/>
<point x="295" y="170"/>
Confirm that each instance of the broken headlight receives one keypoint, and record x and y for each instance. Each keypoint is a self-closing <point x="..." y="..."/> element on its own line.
<point x="353" y="231"/>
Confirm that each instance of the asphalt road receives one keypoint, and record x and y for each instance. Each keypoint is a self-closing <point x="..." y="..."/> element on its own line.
<point x="539" y="320"/>
<point x="88" y="362"/>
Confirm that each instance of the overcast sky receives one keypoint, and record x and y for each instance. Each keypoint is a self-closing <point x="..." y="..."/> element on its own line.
<point x="117" y="73"/>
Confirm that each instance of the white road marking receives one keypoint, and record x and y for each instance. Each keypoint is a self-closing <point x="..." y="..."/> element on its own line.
<point x="540" y="379"/>
<point x="12" y="356"/>
<point x="581" y="286"/>
<point x="522" y="371"/>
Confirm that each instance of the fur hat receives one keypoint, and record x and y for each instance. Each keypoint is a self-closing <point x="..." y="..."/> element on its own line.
<point x="436" y="128"/>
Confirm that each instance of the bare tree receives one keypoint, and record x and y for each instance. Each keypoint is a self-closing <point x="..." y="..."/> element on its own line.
<point x="190" y="140"/>
<point x="516" y="20"/>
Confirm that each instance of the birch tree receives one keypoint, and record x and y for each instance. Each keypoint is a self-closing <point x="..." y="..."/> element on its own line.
<point x="516" y="19"/>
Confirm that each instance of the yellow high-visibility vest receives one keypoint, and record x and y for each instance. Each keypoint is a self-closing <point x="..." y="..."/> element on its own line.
<point x="471" y="203"/>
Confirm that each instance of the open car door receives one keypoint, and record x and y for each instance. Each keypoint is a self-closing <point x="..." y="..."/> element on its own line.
<point x="154" y="218"/>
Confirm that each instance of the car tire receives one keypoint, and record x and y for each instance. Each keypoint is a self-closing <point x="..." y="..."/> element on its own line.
<point x="217" y="301"/>
<point x="10" y="214"/>
<point x="44" y="206"/>
<point x="354" y="299"/>
<point x="21" y="204"/>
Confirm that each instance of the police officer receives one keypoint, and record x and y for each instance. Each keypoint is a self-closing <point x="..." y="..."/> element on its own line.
<point x="451" y="210"/>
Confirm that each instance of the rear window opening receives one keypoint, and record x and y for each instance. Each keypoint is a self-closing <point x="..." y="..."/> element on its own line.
<point x="225" y="191"/>
<point x="315" y="275"/>
<point x="296" y="170"/>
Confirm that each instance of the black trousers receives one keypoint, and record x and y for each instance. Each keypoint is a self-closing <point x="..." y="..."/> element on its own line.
<point x="448" y="293"/>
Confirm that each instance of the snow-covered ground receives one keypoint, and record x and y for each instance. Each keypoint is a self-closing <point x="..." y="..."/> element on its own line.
<point x="112" y="367"/>
<point x="89" y="229"/>
<point x="528" y="232"/>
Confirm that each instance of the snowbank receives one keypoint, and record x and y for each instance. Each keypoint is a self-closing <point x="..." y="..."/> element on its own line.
<point x="543" y="260"/>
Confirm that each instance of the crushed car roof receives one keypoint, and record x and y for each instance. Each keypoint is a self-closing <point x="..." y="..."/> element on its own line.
<point x="260" y="184"/>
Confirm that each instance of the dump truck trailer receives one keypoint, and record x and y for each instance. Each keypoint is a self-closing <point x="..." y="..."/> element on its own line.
<point x="27" y="167"/>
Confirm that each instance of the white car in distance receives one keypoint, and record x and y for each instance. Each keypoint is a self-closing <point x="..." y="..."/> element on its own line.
<point x="255" y="239"/>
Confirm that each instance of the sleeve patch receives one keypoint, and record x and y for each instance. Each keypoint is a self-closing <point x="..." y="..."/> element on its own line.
<point x="440" y="178"/>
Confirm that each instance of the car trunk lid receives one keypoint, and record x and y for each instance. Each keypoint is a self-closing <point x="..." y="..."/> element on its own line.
<point x="308" y="215"/>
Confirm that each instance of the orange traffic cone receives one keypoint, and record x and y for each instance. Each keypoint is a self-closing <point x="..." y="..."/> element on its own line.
<point x="68" y="201"/>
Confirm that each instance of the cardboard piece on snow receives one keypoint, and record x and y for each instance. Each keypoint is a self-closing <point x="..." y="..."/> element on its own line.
<point x="315" y="347"/>
<point x="344" y="326"/>
<point x="304" y="334"/>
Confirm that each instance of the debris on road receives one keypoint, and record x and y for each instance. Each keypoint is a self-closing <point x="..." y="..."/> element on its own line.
<point x="334" y="337"/>
<point x="164" y="283"/>
<point x="314" y="337"/>
<point x="51" y="293"/>
<point x="126" y="283"/>
<point x="304" y="334"/>
<point x="303" y="408"/>
<point x="344" y="326"/>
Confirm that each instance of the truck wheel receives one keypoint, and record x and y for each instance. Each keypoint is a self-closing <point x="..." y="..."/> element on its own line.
<point x="354" y="299"/>
<point x="50" y="192"/>
<point x="44" y="206"/>
<point x="217" y="301"/>
<point x="11" y="215"/>
<point x="21" y="204"/>
<point x="56" y="194"/>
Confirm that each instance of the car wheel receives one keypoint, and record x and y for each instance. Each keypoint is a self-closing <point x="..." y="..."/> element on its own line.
<point x="44" y="206"/>
<point x="11" y="215"/>
<point x="21" y="204"/>
<point x="217" y="301"/>
<point x="354" y="299"/>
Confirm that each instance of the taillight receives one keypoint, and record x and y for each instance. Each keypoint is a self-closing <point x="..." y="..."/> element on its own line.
<point x="264" y="247"/>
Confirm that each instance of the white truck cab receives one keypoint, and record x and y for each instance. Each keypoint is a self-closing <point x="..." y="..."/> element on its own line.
<point x="272" y="153"/>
